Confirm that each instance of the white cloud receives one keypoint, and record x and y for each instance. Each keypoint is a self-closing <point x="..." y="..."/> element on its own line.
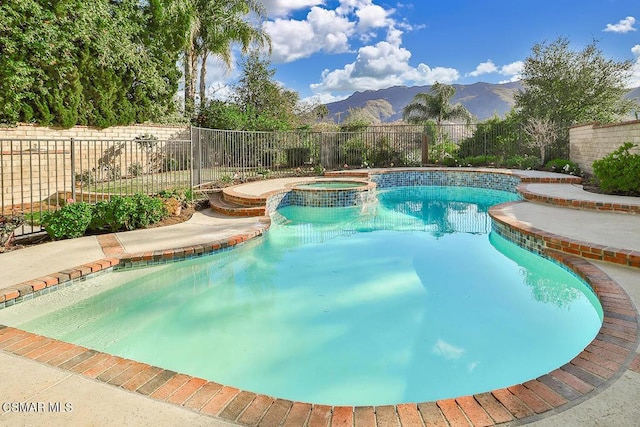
<point x="285" y="7"/>
<point x="372" y="16"/>
<point x="635" y="71"/>
<point x="323" y="98"/>
<point x="623" y="26"/>
<point x="484" y="68"/>
<point x="380" y="66"/>
<point x="381" y="60"/>
<point x="513" y="70"/>
<point x="425" y="75"/>
<point x="322" y="31"/>
<point x="349" y="6"/>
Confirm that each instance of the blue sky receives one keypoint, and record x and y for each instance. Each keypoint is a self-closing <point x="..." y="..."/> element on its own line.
<point x="326" y="50"/>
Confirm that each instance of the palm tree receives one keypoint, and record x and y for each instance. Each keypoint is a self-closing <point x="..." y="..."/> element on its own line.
<point x="435" y="105"/>
<point x="216" y="25"/>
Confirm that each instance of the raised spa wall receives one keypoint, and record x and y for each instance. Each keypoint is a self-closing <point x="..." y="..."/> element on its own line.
<point x="359" y="194"/>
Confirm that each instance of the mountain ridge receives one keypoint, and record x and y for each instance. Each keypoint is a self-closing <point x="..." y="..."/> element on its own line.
<point x="483" y="100"/>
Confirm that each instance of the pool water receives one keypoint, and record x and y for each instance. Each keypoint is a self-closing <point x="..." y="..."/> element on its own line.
<point x="409" y="299"/>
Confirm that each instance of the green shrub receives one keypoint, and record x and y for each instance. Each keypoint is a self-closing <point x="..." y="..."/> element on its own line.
<point x="112" y="215"/>
<point x="480" y="160"/>
<point x="619" y="172"/>
<point x="148" y="210"/>
<point x="563" y="166"/>
<point x="450" y="161"/>
<point x="523" y="162"/>
<point x="69" y="222"/>
<point x="126" y="213"/>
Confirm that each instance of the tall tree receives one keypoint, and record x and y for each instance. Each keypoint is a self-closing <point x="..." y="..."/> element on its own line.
<point x="435" y="105"/>
<point x="262" y="99"/>
<point x="569" y="87"/>
<point x="100" y="63"/>
<point x="216" y="26"/>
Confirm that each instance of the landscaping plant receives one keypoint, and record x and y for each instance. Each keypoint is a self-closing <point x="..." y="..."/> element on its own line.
<point x="126" y="213"/>
<point x="8" y="223"/>
<point x="68" y="222"/>
<point x="563" y="166"/>
<point x="619" y="172"/>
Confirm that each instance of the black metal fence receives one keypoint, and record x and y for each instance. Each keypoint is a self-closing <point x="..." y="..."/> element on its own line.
<point x="222" y="154"/>
<point x="39" y="175"/>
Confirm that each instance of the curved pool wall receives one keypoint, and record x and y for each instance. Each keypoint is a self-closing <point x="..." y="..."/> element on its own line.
<point x="331" y="193"/>
<point x="447" y="178"/>
<point x="392" y="178"/>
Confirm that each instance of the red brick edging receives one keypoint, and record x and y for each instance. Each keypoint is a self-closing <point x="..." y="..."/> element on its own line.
<point x="625" y="257"/>
<point x="578" y="203"/>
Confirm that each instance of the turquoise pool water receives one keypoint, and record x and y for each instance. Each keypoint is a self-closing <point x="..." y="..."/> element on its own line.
<point x="406" y="300"/>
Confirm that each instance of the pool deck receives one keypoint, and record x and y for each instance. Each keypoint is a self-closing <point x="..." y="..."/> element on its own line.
<point x="600" y="387"/>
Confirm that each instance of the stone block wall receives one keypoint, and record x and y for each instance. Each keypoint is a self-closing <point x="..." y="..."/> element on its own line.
<point x="35" y="162"/>
<point x="591" y="141"/>
<point x="25" y="131"/>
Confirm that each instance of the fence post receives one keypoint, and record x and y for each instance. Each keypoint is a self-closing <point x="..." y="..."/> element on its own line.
<point x="425" y="149"/>
<point x="73" y="169"/>
<point x="195" y="157"/>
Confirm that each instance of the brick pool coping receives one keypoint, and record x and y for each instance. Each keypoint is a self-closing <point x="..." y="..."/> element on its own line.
<point x="600" y="364"/>
<point x="577" y="203"/>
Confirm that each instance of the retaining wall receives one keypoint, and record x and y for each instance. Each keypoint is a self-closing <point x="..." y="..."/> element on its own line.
<point x="591" y="141"/>
<point x="84" y="132"/>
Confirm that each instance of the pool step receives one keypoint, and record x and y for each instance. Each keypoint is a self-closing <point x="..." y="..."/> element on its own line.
<point x="573" y="196"/>
<point x="219" y="203"/>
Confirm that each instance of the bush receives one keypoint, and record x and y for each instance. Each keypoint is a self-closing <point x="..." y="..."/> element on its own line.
<point x="386" y="155"/>
<point x="297" y="156"/>
<point x="126" y="213"/>
<point x="563" y="166"/>
<point x="148" y="210"/>
<point x="480" y="161"/>
<point x="450" y="161"/>
<point x="111" y="215"/>
<point x="69" y="222"/>
<point x="619" y="172"/>
<point x="523" y="162"/>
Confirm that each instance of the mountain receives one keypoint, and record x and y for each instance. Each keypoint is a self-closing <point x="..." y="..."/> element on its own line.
<point x="634" y="94"/>
<point x="483" y="100"/>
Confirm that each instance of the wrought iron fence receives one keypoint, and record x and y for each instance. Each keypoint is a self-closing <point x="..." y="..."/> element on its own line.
<point x="223" y="154"/>
<point x="39" y="175"/>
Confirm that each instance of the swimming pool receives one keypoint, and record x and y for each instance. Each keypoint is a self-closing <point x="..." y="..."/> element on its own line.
<point x="384" y="285"/>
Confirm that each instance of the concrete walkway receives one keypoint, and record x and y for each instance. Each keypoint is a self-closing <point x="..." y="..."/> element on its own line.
<point x="96" y="403"/>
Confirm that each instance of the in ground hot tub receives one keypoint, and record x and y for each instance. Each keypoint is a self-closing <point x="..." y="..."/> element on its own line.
<point x="332" y="193"/>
